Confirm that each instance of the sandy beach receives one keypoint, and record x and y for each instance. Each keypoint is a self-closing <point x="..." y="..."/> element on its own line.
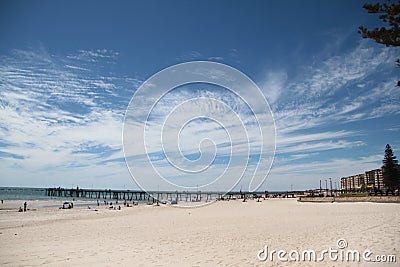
<point x="226" y="233"/>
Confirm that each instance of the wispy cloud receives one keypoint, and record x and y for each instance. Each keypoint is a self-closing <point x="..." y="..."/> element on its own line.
<point x="196" y="55"/>
<point x="189" y="56"/>
<point x="313" y="108"/>
<point x="61" y="117"/>
<point x="94" y="55"/>
<point x="273" y="85"/>
<point x="337" y="89"/>
<point x="307" y="174"/>
<point x="56" y="116"/>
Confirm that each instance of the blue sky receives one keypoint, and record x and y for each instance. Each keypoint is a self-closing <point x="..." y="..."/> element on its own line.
<point x="68" y="70"/>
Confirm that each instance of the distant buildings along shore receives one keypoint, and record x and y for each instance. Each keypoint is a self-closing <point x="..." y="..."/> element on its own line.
<point x="368" y="181"/>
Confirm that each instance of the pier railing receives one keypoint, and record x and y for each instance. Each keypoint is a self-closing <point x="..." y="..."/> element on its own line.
<point x="154" y="196"/>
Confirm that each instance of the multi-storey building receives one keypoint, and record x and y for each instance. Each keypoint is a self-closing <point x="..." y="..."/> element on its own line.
<point x="374" y="179"/>
<point x="364" y="181"/>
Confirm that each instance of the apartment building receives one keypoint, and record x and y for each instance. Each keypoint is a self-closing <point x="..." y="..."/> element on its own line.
<point x="364" y="181"/>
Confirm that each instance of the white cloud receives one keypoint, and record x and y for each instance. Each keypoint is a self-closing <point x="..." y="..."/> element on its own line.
<point x="306" y="175"/>
<point x="328" y="92"/>
<point x="65" y="120"/>
<point x="312" y="111"/>
<point x="293" y="139"/>
<point x="94" y="55"/>
<point x="274" y="85"/>
<point x="59" y="122"/>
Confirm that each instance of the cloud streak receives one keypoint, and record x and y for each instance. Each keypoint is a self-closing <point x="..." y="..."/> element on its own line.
<point x="314" y="109"/>
<point x="55" y="118"/>
<point x="61" y="118"/>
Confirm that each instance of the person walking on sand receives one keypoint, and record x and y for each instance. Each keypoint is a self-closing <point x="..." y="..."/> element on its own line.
<point x="25" y="204"/>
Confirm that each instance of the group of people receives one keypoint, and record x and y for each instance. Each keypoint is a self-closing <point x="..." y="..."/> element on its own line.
<point x="110" y="204"/>
<point x="20" y="208"/>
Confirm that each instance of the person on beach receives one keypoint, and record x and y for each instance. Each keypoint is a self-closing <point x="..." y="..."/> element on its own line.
<point x="25" y="204"/>
<point x="20" y="209"/>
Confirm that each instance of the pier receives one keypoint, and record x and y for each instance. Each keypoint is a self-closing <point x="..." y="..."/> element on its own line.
<point x="167" y="196"/>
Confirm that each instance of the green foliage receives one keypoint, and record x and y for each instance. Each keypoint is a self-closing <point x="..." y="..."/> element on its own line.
<point x="389" y="13"/>
<point x="391" y="171"/>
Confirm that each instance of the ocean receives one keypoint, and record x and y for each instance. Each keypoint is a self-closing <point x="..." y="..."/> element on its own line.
<point x="37" y="198"/>
<point x="23" y="193"/>
<point x="38" y="195"/>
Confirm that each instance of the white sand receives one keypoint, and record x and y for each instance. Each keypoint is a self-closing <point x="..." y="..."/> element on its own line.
<point x="222" y="234"/>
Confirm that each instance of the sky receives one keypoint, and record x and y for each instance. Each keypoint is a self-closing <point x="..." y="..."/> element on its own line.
<point x="74" y="77"/>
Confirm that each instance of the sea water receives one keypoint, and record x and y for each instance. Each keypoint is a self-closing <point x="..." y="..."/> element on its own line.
<point x="37" y="198"/>
<point x="23" y="193"/>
